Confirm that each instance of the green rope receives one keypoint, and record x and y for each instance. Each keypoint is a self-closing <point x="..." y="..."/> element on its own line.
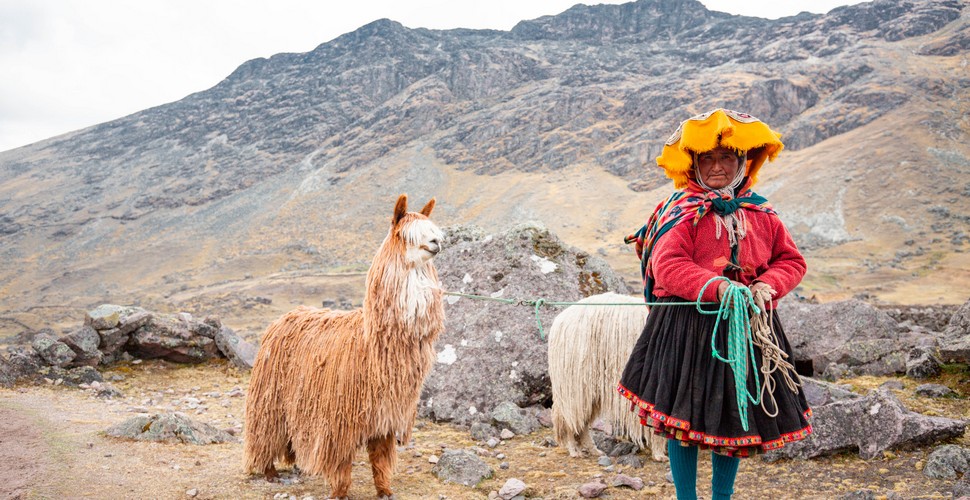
<point x="538" y="303"/>
<point x="734" y="307"/>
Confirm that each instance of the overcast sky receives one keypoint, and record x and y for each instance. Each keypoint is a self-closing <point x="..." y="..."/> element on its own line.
<point x="70" y="64"/>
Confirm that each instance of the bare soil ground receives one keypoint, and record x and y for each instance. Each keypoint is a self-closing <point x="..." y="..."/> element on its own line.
<point x="52" y="446"/>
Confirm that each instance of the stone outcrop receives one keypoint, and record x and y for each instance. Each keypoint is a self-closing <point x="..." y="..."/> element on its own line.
<point x="492" y="351"/>
<point x="169" y="427"/>
<point x="871" y="425"/>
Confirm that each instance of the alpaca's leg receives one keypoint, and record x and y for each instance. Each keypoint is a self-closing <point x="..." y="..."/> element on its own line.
<point x="340" y="480"/>
<point x="585" y="439"/>
<point x="271" y="474"/>
<point x="383" y="455"/>
<point x="564" y="435"/>
<point x="658" y="447"/>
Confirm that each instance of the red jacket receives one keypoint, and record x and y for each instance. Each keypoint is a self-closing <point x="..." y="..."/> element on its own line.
<point x="686" y="257"/>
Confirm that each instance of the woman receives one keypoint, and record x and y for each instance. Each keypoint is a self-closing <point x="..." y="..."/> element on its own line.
<point x="713" y="226"/>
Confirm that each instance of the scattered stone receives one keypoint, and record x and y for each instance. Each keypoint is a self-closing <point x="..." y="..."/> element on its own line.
<point x="511" y="488"/>
<point x="604" y="461"/>
<point x="192" y="493"/>
<point x="503" y="465"/>
<point x="628" y="481"/>
<point x="433" y="459"/>
<point x="510" y="416"/>
<point x="934" y="391"/>
<point x="461" y="467"/>
<point x="894" y="385"/>
<point x="623" y="448"/>
<point x="922" y="363"/>
<point x="241" y="353"/>
<point x="544" y="416"/>
<point x="52" y="351"/>
<point x="947" y="462"/>
<point x="492" y="442"/>
<point x="669" y="477"/>
<point x="592" y="490"/>
<point x="506" y="434"/>
<point x="481" y="431"/>
<point x="172" y="427"/>
<point x="632" y="461"/>
<point x="961" y="489"/>
<point x="500" y="456"/>
<point x="84" y="342"/>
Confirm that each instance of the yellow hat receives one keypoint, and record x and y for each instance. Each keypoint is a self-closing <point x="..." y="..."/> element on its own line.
<point x="719" y="127"/>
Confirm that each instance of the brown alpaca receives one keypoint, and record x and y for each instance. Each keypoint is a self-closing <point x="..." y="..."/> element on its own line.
<point x="326" y="383"/>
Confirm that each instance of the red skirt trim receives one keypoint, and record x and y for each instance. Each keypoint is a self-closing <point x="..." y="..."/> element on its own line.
<point x="676" y="428"/>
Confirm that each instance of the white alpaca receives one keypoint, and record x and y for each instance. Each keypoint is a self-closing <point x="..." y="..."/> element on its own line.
<point x="588" y="348"/>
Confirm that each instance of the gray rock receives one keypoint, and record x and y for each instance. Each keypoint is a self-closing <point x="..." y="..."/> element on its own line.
<point x="461" y="467"/>
<point x="592" y="490"/>
<point x="934" y="391"/>
<point x="494" y="350"/>
<point x="893" y="385"/>
<point x="871" y="425"/>
<point x="511" y="488"/>
<point x="481" y="431"/>
<point x="544" y="416"/>
<point x="84" y="342"/>
<point x="632" y="461"/>
<point x="52" y="351"/>
<point x="506" y="414"/>
<point x="603" y="441"/>
<point x="506" y="434"/>
<point x="853" y="334"/>
<point x="818" y="392"/>
<point x="173" y="338"/>
<point x="492" y="442"/>
<point x="23" y="362"/>
<point x="171" y="427"/>
<point x="623" y="448"/>
<point x="961" y="489"/>
<point x="241" y="353"/>
<point x="8" y="373"/>
<point x="73" y="376"/>
<point x="604" y="461"/>
<point x="628" y="481"/>
<point x="104" y="317"/>
<point x="947" y="462"/>
<point x="955" y="342"/>
<point x="923" y="363"/>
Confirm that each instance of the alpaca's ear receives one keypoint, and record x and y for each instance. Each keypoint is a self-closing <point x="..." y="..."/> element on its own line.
<point x="400" y="209"/>
<point x="426" y="211"/>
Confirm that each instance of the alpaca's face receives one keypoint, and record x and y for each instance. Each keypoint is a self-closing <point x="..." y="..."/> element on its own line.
<point x="422" y="239"/>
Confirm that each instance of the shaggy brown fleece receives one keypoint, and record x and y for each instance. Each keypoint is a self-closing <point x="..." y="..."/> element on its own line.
<point x="325" y="383"/>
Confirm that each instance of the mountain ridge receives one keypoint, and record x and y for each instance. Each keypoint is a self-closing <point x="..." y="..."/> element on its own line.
<point x="289" y="160"/>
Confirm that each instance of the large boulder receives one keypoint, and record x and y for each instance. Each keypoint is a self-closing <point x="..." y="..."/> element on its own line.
<point x="492" y="351"/>
<point x="52" y="351"/>
<point x="955" y="344"/>
<point x="871" y="425"/>
<point x="84" y="342"/>
<point x="847" y="337"/>
<point x="175" y="337"/>
<point x="462" y="467"/>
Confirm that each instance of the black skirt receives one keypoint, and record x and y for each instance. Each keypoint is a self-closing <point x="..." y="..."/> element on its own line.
<point x="679" y="388"/>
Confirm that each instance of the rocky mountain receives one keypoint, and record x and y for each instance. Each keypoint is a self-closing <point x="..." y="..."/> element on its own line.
<point x="278" y="180"/>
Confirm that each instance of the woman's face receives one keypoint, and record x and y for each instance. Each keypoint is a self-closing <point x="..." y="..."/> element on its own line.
<point x="717" y="167"/>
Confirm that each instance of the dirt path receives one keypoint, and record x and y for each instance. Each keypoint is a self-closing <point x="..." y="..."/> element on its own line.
<point x="52" y="446"/>
<point x="22" y="452"/>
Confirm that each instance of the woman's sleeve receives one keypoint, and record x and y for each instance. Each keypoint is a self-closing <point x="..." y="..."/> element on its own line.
<point x="787" y="266"/>
<point x="674" y="268"/>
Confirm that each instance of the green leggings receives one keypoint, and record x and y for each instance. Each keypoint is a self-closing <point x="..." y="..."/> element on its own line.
<point x="683" y="465"/>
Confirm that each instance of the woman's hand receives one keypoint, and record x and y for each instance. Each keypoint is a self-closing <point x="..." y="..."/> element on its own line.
<point x="723" y="286"/>
<point x="761" y="292"/>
